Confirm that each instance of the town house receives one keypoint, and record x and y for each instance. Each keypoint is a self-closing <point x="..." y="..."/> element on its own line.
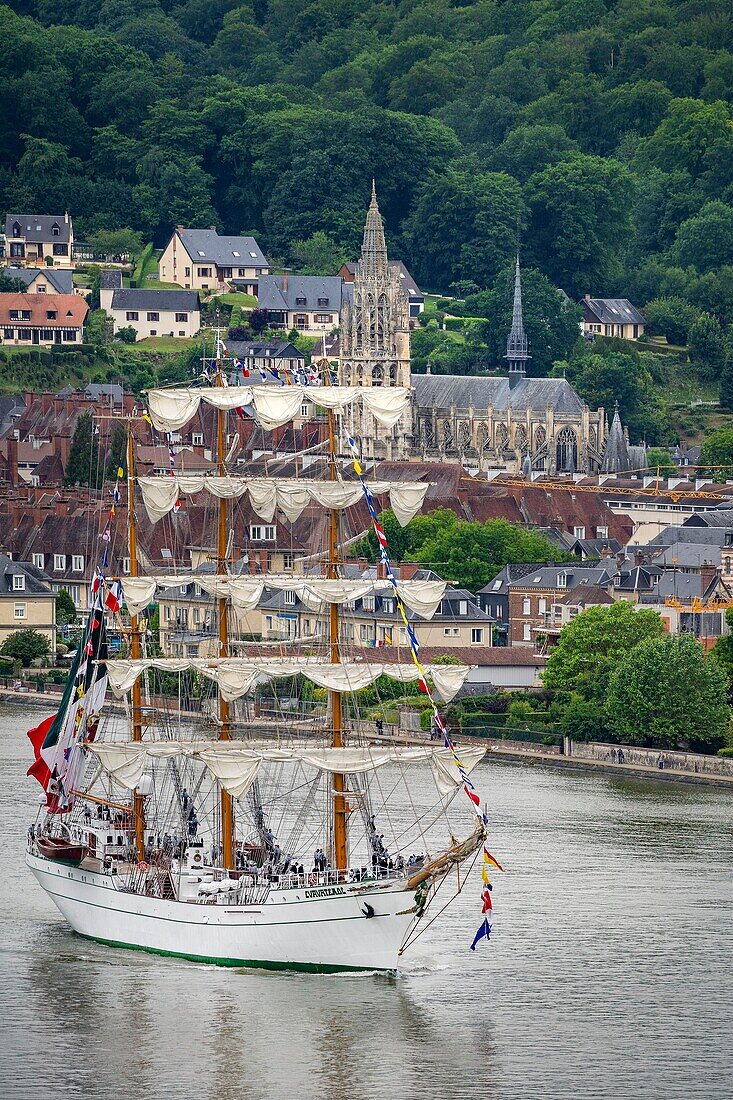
<point x="34" y="239"/>
<point x="200" y="259"/>
<point x="42" y="319"/>
<point x="611" y="317"/>
<point x="26" y="600"/>
<point x="531" y="597"/>
<point x="43" y="280"/>
<point x="174" y="313"/>
<point x="311" y="304"/>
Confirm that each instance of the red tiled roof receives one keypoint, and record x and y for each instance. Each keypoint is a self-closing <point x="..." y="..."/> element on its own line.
<point x="70" y="309"/>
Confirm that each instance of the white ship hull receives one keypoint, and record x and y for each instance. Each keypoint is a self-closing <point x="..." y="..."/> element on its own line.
<point x="319" y="929"/>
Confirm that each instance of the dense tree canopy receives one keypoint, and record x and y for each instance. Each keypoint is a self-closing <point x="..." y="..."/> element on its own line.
<point x="598" y="135"/>
<point x="466" y="554"/>
<point x="667" y="693"/>
<point x="592" y="644"/>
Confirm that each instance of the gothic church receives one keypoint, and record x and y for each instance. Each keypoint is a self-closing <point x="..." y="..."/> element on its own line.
<point x="514" y="423"/>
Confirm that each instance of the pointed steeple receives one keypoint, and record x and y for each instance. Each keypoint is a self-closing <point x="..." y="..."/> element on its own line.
<point x="374" y="249"/>
<point x="516" y="346"/>
<point x="616" y="452"/>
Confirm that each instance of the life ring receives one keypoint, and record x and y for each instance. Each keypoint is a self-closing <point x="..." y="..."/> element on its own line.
<point x="313" y="879"/>
<point x="143" y="866"/>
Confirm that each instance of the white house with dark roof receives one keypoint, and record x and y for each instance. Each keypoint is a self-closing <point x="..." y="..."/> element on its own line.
<point x="200" y="259"/>
<point x="43" y="280"/>
<point x="309" y="303"/>
<point x="26" y="600"/>
<point x="611" y="317"/>
<point x="38" y="239"/>
<point x="150" y="312"/>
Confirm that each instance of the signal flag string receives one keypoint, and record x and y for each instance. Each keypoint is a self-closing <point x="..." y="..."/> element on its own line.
<point x="484" y="930"/>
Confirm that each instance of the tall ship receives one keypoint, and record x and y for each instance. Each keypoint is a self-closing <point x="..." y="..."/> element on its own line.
<point x="242" y="806"/>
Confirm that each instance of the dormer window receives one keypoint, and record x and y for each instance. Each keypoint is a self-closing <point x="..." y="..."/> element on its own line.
<point x="16" y="229"/>
<point x="51" y="314"/>
<point x="55" y="230"/>
<point x="562" y="580"/>
<point x="299" y="301"/>
<point x="18" y="582"/>
<point x="323" y="301"/>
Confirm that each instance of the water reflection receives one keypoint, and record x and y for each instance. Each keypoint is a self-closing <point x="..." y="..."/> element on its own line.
<point x="608" y="973"/>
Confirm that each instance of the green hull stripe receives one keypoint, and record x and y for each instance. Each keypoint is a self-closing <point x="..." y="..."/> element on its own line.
<point x="253" y="964"/>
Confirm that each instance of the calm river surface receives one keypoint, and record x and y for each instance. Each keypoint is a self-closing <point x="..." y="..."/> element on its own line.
<point x="609" y="973"/>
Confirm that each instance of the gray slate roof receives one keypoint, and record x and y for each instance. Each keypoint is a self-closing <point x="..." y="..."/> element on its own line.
<point x="62" y="280"/>
<point x="38" y="227"/>
<point x="711" y="517"/>
<point x="110" y="279"/>
<point x="689" y="555"/>
<point x="546" y="576"/>
<point x="206" y="244"/>
<point x="613" y="311"/>
<point x="245" y="349"/>
<point x="273" y="295"/>
<point x="37" y="583"/>
<point x="160" y="300"/>
<point x="443" y="390"/>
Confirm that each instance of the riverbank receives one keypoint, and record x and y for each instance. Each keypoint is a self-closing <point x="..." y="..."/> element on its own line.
<point x="496" y="751"/>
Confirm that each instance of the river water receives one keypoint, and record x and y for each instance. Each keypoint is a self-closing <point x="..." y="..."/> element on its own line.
<point x="609" y="972"/>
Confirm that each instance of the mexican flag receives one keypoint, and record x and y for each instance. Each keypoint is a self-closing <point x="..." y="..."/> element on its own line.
<point x="58" y="740"/>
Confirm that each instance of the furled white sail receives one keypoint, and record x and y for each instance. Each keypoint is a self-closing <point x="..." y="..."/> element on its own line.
<point x="290" y="495"/>
<point x="236" y="765"/>
<point x="245" y="592"/>
<point x="274" y="405"/>
<point x="236" y="676"/>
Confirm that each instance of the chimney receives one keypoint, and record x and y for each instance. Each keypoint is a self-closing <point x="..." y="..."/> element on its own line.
<point x="708" y="573"/>
<point x="13" y="463"/>
<point x="66" y="216"/>
<point x="212" y="228"/>
<point x="285" y="281"/>
<point x="586" y="297"/>
<point x="179" y="229"/>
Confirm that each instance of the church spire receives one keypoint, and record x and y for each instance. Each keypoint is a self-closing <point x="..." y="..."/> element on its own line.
<point x="374" y="249"/>
<point x="616" y="452"/>
<point x="516" y="346"/>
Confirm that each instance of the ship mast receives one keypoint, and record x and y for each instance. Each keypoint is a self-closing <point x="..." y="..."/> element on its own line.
<point x="138" y="804"/>
<point x="339" y="802"/>
<point x="227" y="810"/>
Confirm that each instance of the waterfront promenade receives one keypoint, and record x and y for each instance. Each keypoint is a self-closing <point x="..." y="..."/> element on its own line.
<point x="677" y="767"/>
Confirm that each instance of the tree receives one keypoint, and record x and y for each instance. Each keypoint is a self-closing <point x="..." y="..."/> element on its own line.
<point x="118" y="242"/>
<point x="117" y="458"/>
<point x="659" y="459"/>
<point x="592" y="643"/>
<point x="668" y="694"/>
<point x="466" y="554"/>
<point x="470" y="554"/>
<point x="65" y="608"/>
<point x="529" y="149"/>
<point x="318" y="255"/>
<point x="716" y="453"/>
<point x="581" y="217"/>
<point x="602" y="376"/>
<point x="672" y="318"/>
<point x="83" y="466"/>
<point x="126" y="334"/>
<point x="12" y="286"/>
<point x="706" y="346"/>
<point x="550" y="321"/>
<point x="464" y="225"/>
<point x="25" y="646"/>
<point x="705" y="241"/>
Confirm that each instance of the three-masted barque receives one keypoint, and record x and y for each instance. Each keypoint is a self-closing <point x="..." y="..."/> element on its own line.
<point x="186" y="827"/>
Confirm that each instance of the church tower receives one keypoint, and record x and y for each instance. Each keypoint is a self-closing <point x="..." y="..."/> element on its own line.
<point x="516" y="347"/>
<point x="375" y="338"/>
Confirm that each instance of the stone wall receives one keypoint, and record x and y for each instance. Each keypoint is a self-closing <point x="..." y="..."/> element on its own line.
<point x="651" y="758"/>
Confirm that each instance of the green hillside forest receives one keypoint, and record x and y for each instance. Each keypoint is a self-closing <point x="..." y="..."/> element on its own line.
<point x="598" y="134"/>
